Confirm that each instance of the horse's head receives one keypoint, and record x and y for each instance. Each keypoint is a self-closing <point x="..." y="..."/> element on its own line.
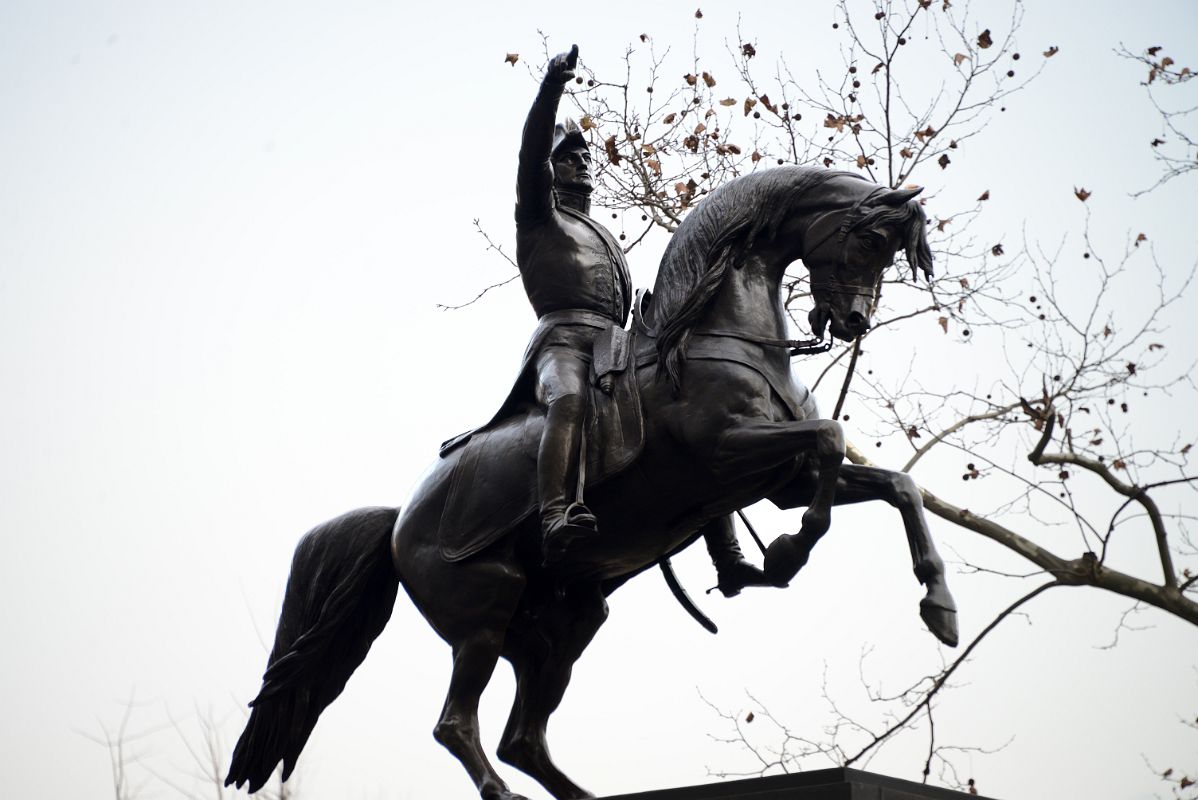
<point x="848" y="251"/>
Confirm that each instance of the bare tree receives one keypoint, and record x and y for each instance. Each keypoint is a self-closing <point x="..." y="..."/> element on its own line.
<point x="1176" y="148"/>
<point x="139" y="758"/>
<point x="1183" y="785"/>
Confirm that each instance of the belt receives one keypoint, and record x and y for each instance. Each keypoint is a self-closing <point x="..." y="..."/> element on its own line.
<point x="576" y="316"/>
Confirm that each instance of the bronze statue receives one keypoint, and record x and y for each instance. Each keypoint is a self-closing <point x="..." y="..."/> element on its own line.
<point x="695" y="415"/>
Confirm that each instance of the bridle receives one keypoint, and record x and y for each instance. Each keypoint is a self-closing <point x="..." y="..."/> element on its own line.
<point x="799" y="347"/>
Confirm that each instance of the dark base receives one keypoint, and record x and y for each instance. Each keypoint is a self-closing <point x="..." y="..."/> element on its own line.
<point x="824" y="784"/>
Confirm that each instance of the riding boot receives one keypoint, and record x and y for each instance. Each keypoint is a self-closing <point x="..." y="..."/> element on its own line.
<point x="733" y="571"/>
<point x="563" y="521"/>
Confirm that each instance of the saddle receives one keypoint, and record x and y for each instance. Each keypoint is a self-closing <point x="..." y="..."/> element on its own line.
<point x="493" y="485"/>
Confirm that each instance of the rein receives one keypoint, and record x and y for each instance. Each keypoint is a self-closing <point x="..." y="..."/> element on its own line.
<point x="797" y="347"/>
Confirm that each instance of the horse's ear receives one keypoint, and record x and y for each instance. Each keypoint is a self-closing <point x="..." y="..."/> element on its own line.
<point x="896" y="197"/>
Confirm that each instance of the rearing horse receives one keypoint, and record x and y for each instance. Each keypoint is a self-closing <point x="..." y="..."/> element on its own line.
<point x="725" y="426"/>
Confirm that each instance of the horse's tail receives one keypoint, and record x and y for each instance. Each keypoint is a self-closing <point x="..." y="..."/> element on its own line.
<point x="339" y="597"/>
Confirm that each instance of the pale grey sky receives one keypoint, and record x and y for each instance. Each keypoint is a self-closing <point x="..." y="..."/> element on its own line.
<point x="224" y="228"/>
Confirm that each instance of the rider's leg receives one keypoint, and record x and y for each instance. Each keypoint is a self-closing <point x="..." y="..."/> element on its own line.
<point x="562" y="377"/>
<point x="733" y="571"/>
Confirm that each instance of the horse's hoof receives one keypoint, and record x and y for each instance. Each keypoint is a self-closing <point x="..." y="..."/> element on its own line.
<point x="941" y="621"/>
<point x="502" y="794"/>
<point x="783" y="559"/>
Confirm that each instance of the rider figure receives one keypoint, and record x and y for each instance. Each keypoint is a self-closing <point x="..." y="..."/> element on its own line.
<point x="578" y="282"/>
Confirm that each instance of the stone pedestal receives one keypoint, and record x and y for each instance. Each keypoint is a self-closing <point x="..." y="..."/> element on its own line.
<point x="824" y="784"/>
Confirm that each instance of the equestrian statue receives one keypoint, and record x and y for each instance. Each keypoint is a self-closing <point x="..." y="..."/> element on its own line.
<point x="619" y="446"/>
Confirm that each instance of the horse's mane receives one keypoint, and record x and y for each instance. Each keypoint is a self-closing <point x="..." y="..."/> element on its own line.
<point x="720" y="229"/>
<point x="725" y="225"/>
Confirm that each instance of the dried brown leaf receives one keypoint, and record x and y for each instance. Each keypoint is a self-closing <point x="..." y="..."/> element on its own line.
<point x="984" y="40"/>
<point x="1082" y="194"/>
<point x="511" y="58"/>
<point x="613" y="153"/>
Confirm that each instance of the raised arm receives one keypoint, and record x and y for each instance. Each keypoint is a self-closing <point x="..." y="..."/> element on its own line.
<point x="534" y="178"/>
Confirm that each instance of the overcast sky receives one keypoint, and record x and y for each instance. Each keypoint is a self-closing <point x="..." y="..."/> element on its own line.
<point x="224" y="231"/>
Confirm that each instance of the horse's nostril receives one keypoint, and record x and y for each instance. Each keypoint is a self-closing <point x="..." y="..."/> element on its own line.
<point x="858" y="322"/>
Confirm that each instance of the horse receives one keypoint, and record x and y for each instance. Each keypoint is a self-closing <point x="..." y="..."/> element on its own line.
<point x="725" y="426"/>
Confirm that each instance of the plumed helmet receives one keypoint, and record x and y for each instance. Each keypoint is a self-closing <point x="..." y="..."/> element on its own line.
<point x="566" y="136"/>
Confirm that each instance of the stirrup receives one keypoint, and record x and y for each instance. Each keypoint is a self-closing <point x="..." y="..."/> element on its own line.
<point x="575" y="524"/>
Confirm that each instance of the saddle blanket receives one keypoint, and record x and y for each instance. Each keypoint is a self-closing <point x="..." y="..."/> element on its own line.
<point x="493" y="486"/>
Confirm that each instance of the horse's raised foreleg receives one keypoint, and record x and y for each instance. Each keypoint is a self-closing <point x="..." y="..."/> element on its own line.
<point x="858" y="484"/>
<point x="758" y="445"/>
<point x="543" y="646"/>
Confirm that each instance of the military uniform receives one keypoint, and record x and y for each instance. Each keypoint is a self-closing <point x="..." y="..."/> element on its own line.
<point x="577" y="280"/>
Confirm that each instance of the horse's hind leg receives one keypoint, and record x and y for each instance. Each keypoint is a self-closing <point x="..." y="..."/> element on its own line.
<point x="484" y="596"/>
<point x="543" y="646"/>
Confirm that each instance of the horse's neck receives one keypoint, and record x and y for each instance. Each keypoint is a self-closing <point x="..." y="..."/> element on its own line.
<point x="750" y="301"/>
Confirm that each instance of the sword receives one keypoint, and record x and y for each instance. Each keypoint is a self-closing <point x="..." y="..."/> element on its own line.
<point x="667" y="570"/>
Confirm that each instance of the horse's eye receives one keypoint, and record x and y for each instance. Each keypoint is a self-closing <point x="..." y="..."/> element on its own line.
<point x="871" y="242"/>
